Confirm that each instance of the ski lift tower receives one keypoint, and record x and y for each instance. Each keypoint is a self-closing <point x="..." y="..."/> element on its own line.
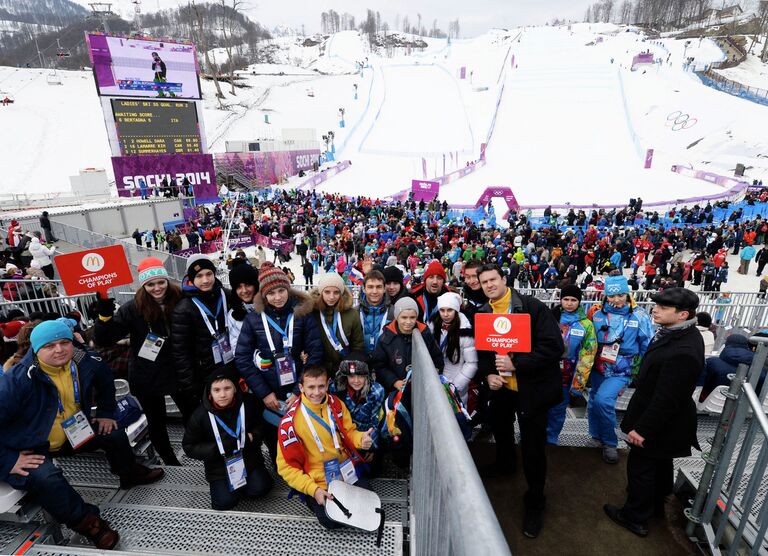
<point x="102" y="11"/>
<point x="137" y="18"/>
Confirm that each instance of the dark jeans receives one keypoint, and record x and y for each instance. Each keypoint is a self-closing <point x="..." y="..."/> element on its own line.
<point x="319" y="510"/>
<point x="504" y="408"/>
<point x="259" y="484"/>
<point x="48" y="271"/>
<point x="157" y="422"/>
<point x="650" y="480"/>
<point x="53" y="491"/>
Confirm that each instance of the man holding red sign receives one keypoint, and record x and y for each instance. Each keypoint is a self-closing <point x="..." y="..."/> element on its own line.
<point x="524" y="378"/>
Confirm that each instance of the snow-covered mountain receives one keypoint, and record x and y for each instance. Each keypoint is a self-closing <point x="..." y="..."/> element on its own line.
<point x="23" y="17"/>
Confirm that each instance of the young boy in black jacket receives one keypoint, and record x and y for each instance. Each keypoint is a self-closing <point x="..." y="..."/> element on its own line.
<point x="224" y="433"/>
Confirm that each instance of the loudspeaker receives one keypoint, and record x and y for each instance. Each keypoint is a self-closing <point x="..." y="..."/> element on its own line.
<point x="739" y="169"/>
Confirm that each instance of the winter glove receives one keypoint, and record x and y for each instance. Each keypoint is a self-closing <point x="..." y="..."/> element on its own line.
<point x="105" y="307"/>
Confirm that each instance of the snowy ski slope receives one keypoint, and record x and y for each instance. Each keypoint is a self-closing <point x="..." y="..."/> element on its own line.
<point x="571" y="125"/>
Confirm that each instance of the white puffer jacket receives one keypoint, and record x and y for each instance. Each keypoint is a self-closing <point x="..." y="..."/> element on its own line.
<point x="461" y="373"/>
<point x="40" y="252"/>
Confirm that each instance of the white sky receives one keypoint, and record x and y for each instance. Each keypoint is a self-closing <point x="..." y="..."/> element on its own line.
<point x="475" y="16"/>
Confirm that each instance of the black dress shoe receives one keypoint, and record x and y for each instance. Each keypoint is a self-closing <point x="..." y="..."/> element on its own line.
<point x="533" y="521"/>
<point x="618" y="518"/>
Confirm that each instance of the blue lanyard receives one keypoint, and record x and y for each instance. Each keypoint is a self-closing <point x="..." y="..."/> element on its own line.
<point x="620" y="336"/>
<point x="281" y="331"/>
<point x="75" y="384"/>
<point x="317" y="418"/>
<point x="427" y="312"/>
<point x="207" y="311"/>
<point x="236" y="433"/>
<point x="334" y="324"/>
<point x="444" y="342"/>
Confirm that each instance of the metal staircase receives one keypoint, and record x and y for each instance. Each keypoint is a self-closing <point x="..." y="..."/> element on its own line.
<point x="174" y="517"/>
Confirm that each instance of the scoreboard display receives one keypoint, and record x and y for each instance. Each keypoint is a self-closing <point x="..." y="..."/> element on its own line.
<point x="156" y="126"/>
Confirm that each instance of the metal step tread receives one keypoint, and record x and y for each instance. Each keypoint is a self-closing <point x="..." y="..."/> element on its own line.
<point x="206" y="532"/>
<point x="387" y="489"/>
<point x="276" y="502"/>
<point x="13" y="535"/>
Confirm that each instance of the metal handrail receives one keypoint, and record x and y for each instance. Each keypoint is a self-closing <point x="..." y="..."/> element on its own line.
<point x="450" y="510"/>
<point x="733" y="441"/>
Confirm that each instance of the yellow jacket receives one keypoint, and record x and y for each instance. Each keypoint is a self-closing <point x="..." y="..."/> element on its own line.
<point x="312" y="477"/>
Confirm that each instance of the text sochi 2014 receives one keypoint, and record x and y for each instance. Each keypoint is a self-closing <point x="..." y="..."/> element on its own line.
<point x="151" y="180"/>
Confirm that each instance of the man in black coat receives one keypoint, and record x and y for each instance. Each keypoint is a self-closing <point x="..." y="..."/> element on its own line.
<point x="532" y="385"/>
<point x="660" y="421"/>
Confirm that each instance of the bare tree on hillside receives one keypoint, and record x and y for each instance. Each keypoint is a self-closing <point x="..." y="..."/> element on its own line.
<point x="625" y="12"/>
<point x="418" y="26"/>
<point x="229" y="26"/>
<point x="607" y="10"/>
<point x="201" y="40"/>
<point x="762" y="14"/>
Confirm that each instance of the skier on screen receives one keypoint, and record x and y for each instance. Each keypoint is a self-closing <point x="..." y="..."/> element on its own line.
<point x="158" y="66"/>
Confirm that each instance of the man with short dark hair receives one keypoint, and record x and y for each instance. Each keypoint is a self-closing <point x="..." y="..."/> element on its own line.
<point x="523" y="385"/>
<point x="660" y="421"/>
<point x="374" y="307"/>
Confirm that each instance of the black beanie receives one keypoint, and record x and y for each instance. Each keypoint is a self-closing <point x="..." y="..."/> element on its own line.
<point x="196" y="263"/>
<point x="243" y="274"/>
<point x="571" y="290"/>
<point x="393" y="274"/>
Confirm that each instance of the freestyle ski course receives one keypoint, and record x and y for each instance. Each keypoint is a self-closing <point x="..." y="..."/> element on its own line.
<point x="570" y="122"/>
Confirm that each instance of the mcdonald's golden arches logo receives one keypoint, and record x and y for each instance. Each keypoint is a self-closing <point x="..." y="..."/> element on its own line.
<point x="93" y="262"/>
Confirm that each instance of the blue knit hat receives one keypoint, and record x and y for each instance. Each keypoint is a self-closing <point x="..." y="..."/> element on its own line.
<point x="616" y="285"/>
<point x="47" y="332"/>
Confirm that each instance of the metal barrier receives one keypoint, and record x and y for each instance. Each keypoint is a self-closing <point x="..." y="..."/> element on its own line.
<point x="450" y="511"/>
<point x="737" y="488"/>
<point x="739" y="309"/>
<point x="60" y="305"/>
<point x="175" y="265"/>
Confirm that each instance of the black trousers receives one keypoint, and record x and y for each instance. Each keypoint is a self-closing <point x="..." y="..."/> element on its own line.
<point x="504" y="408"/>
<point x="650" y="481"/>
<point x="157" y="422"/>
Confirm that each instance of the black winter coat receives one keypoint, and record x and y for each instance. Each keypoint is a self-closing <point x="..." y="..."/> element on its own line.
<point x="146" y="377"/>
<point x="538" y="372"/>
<point x="253" y="337"/>
<point x="662" y="410"/>
<point x="191" y="340"/>
<point x="393" y="354"/>
<point x="199" y="442"/>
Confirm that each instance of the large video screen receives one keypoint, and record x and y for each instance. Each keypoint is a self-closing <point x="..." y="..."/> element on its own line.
<point x="143" y="68"/>
<point x="156" y="126"/>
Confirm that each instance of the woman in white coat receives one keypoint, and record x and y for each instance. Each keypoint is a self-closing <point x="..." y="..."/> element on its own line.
<point x="453" y="333"/>
<point x="42" y="254"/>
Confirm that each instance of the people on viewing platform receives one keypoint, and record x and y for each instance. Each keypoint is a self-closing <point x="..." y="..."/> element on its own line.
<point x="323" y="379"/>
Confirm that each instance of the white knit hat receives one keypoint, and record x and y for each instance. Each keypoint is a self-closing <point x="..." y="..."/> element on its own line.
<point x="449" y="300"/>
<point x="330" y="280"/>
<point x="405" y="304"/>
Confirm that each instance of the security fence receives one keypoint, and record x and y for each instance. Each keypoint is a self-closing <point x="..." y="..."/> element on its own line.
<point x="450" y="510"/>
<point x="729" y="514"/>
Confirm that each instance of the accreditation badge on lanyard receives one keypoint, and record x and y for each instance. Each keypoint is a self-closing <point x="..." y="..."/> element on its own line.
<point x="235" y="464"/>
<point x="331" y="467"/>
<point x="610" y="352"/>
<point x="77" y="428"/>
<point x="286" y="366"/>
<point x="151" y="347"/>
<point x="220" y="346"/>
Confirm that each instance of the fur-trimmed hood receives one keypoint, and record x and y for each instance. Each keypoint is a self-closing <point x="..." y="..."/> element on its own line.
<point x="302" y="302"/>
<point x="346" y="301"/>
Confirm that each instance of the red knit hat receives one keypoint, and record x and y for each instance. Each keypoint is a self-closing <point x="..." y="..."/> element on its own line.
<point x="272" y="278"/>
<point x="434" y="268"/>
<point x="11" y="329"/>
<point x="151" y="269"/>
